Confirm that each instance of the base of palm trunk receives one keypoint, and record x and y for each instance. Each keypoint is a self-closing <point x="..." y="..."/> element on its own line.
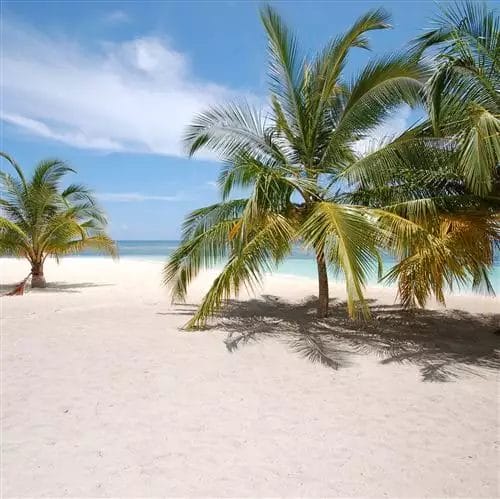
<point x="323" y="300"/>
<point x="322" y="311"/>
<point x="38" y="281"/>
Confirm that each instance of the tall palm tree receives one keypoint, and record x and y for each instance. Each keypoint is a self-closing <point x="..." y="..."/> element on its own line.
<point x="290" y="160"/>
<point x="40" y="219"/>
<point x="438" y="183"/>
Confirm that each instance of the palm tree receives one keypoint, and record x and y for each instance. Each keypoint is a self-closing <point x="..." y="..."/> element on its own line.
<point x="291" y="161"/>
<point x="39" y="219"/>
<point x="463" y="94"/>
<point x="437" y="186"/>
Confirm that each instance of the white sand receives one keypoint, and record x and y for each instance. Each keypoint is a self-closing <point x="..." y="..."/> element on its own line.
<point x="102" y="395"/>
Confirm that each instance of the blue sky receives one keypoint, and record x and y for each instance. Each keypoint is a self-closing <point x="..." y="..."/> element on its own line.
<point x="110" y="86"/>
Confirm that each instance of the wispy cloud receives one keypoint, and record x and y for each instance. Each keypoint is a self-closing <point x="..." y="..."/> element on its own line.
<point x="137" y="197"/>
<point x="212" y="184"/>
<point x="136" y="96"/>
<point x="117" y="17"/>
<point x="395" y="125"/>
<point x="75" y="138"/>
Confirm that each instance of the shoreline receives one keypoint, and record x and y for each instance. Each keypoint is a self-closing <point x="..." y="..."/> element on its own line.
<point x="371" y="289"/>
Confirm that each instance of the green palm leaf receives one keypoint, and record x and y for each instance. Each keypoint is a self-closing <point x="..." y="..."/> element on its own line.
<point x="348" y="239"/>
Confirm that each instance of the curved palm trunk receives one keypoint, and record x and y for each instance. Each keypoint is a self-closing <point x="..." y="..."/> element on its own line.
<point x="37" y="277"/>
<point x="322" y="285"/>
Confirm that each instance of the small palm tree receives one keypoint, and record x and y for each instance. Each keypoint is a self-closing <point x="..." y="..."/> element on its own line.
<point x="292" y="161"/>
<point x="39" y="219"/>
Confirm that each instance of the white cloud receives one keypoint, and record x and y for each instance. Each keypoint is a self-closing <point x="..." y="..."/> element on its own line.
<point x="392" y="127"/>
<point x="74" y="138"/>
<point x="137" y="197"/>
<point x="134" y="96"/>
<point x="212" y="184"/>
<point x="117" y="17"/>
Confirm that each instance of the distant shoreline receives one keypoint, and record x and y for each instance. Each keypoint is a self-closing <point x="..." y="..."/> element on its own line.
<point x="300" y="263"/>
<point x="156" y="262"/>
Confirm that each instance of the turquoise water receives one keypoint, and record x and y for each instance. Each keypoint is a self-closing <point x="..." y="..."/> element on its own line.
<point x="299" y="263"/>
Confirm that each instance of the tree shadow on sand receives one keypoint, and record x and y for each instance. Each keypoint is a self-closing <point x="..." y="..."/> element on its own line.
<point x="443" y="344"/>
<point x="60" y="287"/>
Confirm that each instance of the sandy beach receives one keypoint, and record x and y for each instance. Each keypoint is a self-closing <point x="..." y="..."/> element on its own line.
<point x="103" y="395"/>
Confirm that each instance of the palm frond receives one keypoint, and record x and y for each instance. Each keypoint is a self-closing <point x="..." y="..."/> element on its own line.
<point x="454" y="250"/>
<point x="286" y="69"/>
<point x="15" y="165"/>
<point x="382" y="86"/>
<point x="228" y="129"/>
<point x="200" y="250"/>
<point x="49" y="172"/>
<point x="348" y="240"/>
<point x="257" y="254"/>
<point x="99" y="242"/>
<point x="481" y="151"/>
<point x="324" y="87"/>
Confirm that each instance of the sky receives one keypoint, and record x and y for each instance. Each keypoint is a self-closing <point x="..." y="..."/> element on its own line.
<point x="110" y="87"/>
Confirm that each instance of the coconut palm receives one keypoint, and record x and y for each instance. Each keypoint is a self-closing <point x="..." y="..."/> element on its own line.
<point x="40" y="219"/>
<point x="463" y="94"/>
<point x="438" y="183"/>
<point x="290" y="162"/>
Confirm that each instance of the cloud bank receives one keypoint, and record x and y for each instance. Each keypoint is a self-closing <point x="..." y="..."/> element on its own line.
<point x="135" y="96"/>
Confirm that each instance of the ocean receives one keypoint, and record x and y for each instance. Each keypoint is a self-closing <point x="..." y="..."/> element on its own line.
<point x="300" y="262"/>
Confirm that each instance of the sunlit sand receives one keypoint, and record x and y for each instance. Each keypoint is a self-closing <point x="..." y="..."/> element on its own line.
<point x="103" y="395"/>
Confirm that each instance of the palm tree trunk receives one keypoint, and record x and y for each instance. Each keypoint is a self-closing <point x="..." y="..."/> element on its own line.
<point x="322" y="285"/>
<point x="37" y="277"/>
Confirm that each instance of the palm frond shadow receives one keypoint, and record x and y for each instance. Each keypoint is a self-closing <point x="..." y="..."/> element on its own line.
<point x="444" y="345"/>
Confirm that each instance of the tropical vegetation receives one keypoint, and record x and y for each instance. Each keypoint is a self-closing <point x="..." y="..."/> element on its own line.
<point x="429" y="196"/>
<point x="438" y="183"/>
<point x="40" y="219"/>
